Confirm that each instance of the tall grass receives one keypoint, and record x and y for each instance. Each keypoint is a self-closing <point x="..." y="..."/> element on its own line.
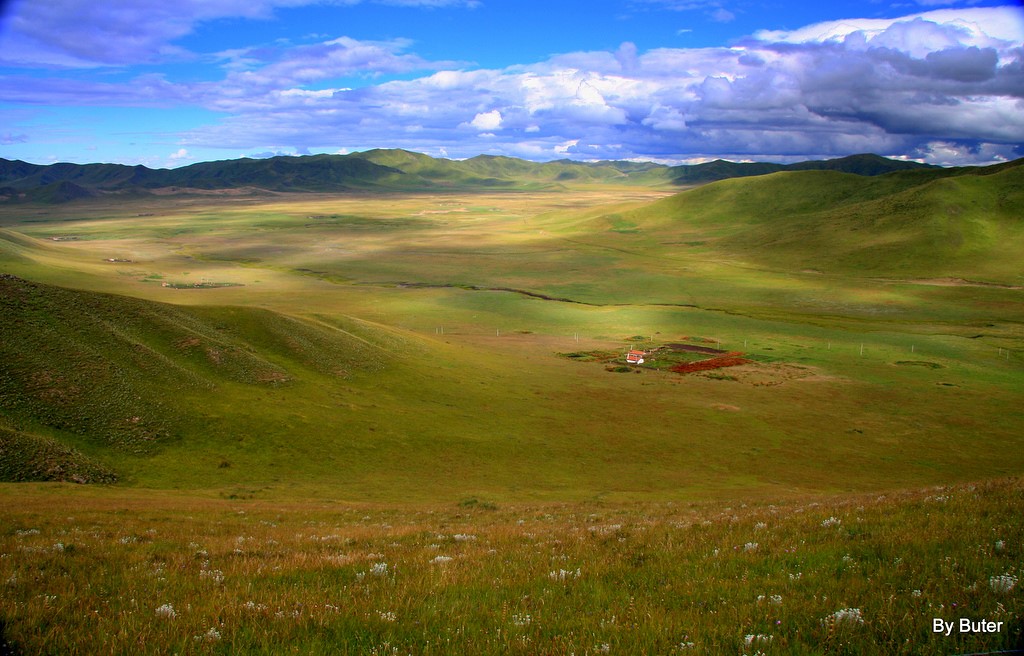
<point x="852" y="575"/>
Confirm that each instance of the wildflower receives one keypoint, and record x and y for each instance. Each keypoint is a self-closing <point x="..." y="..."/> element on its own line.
<point x="750" y="639"/>
<point x="379" y="569"/>
<point x="441" y="559"/>
<point x="387" y="616"/>
<point x="1002" y="583"/>
<point x="604" y="648"/>
<point x="683" y="646"/>
<point x="59" y="547"/>
<point x="760" y="526"/>
<point x="462" y="537"/>
<point x="213" y="635"/>
<point x="831" y="521"/>
<point x="167" y="611"/>
<point x="1000" y="545"/>
<point x="915" y="593"/>
<point x="563" y="574"/>
<point x="843" y="616"/>
<point x="750" y="546"/>
<point x="522" y="620"/>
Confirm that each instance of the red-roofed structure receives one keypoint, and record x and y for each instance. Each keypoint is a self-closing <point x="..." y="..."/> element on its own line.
<point x="635" y="357"/>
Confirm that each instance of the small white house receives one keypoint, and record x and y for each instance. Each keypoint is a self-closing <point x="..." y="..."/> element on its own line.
<point x="635" y="357"/>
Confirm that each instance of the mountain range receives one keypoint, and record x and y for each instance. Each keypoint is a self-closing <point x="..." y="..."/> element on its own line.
<point x="384" y="170"/>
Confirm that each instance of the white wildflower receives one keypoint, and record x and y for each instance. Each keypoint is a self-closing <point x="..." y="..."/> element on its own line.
<point x="604" y="648"/>
<point x="1003" y="583"/>
<point x="167" y="611"/>
<point x="750" y="639"/>
<point x="1000" y="545"/>
<point x="750" y="546"/>
<point x="441" y="559"/>
<point x="213" y="635"/>
<point x="379" y="569"/>
<point x="462" y="537"/>
<point x="844" y="616"/>
<point x="522" y="620"/>
<point x="563" y="574"/>
<point x="831" y="521"/>
<point x="915" y="593"/>
<point x="760" y="526"/>
<point x="387" y="616"/>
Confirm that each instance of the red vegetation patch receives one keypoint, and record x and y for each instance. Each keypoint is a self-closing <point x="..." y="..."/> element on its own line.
<point x="727" y="360"/>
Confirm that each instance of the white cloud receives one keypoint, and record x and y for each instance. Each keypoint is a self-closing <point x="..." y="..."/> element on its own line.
<point x="922" y="33"/>
<point x="487" y="121"/>
<point x="721" y="15"/>
<point x="86" y="33"/>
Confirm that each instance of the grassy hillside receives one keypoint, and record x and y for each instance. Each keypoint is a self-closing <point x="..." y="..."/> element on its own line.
<point x="28" y="457"/>
<point x="913" y="224"/>
<point x="116" y="375"/>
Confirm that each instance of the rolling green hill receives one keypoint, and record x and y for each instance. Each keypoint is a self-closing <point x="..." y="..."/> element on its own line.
<point x="115" y="375"/>
<point x="950" y="223"/>
<point x="381" y="170"/>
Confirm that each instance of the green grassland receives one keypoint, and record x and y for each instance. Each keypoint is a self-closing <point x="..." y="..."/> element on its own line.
<point x="407" y="350"/>
<point x="858" y="574"/>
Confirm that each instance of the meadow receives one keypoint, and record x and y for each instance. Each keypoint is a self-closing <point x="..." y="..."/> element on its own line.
<point x="304" y="399"/>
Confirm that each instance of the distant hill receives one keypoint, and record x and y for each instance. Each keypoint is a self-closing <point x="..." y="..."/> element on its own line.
<point x="384" y="170"/>
<point x="865" y="164"/>
<point x="913" y="223"/>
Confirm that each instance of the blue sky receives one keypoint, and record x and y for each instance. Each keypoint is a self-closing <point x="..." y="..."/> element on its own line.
<point x="171" y="83"/>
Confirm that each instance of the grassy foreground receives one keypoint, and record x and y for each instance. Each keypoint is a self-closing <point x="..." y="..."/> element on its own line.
<point x="162" y="574"/>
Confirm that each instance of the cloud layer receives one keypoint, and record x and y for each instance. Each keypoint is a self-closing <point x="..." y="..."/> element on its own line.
<point x="945" y="86"/>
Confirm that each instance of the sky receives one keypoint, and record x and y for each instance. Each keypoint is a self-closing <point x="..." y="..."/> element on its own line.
<point x="169" y="83"/>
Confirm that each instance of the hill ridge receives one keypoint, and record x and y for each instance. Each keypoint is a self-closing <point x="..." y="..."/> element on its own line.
<point x="381" y="170"/>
